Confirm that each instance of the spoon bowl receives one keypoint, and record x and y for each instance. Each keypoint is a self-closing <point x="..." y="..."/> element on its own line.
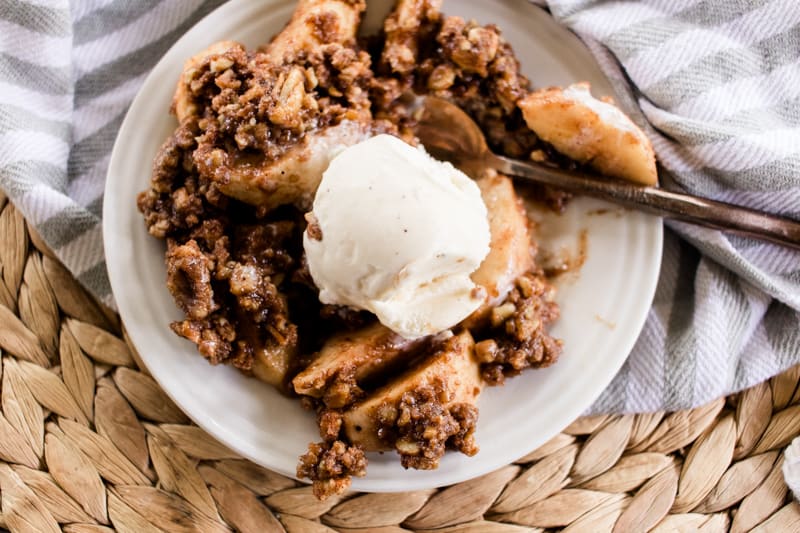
<point x="448" y="133"/>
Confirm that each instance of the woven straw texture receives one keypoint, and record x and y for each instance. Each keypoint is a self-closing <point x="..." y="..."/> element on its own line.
<point x="89" y="443"/>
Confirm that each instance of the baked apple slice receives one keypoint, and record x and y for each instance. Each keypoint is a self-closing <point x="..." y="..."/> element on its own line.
<point x="183" y="103"/>
<point x="316" y="23"/>
<point x="289" y="108"/>
<point x="423" y="411"/>
<point x="511" y="252"/>
<point x="348" y="359"/>
<point x="291" y="178"/>
<point x="591" y="131"/>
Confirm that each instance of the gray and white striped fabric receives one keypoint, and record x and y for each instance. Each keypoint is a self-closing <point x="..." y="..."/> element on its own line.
<point x="68" y="72"/>
<point x="715" y="83"/>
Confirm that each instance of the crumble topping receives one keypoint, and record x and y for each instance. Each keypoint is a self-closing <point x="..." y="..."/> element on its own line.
<point x="331" y="463"/>
<point x="424" y="423"/>
<point x="518" y="337"/>
<point x="330" y="467"/>
<point x="235" y="264"/>
<point x="470" y="65"/>
<point x="246" y="98"/>
<point x="224" y="274"/>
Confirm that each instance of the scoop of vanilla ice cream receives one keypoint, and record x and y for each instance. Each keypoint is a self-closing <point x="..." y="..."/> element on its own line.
<point x="398" y="233"/>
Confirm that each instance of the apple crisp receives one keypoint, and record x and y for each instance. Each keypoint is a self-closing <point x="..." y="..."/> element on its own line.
<point x="231" y="188"/>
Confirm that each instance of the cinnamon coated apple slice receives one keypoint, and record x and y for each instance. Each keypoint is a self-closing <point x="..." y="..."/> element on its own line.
<point x="423" y="411"/>
<point x="349" y="358"/>
<point x="315" y="23"/>
<point x="591" y="131"/>
<point x="511" y="252"/>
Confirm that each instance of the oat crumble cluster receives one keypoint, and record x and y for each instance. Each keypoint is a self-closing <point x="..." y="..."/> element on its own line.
<point x="229" y="191"/>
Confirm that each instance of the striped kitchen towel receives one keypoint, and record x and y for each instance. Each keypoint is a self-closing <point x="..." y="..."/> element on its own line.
<point x="715" y="83"/>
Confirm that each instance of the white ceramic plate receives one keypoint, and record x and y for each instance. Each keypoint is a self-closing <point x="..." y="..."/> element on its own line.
<point x="603" y="308"/>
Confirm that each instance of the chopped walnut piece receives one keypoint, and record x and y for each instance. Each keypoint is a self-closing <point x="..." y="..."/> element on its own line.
<point x="330" y="423"/>
<point x="288" y="96"/>
<point x="443" y="77"/>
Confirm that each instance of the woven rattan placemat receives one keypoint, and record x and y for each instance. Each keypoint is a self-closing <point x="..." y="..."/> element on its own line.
<point x="89" y="443"/>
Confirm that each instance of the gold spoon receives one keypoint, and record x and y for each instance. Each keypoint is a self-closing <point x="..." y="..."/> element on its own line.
<point x="448" y="133"/>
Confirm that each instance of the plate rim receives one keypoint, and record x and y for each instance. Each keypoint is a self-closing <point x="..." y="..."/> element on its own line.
<point x="489" y="463"/>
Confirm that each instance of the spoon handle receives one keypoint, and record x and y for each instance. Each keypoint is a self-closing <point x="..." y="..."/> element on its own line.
<point x="668" y="204"/>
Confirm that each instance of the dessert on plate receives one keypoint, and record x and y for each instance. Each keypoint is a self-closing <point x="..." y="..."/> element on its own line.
<point x="312" y="243"/>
